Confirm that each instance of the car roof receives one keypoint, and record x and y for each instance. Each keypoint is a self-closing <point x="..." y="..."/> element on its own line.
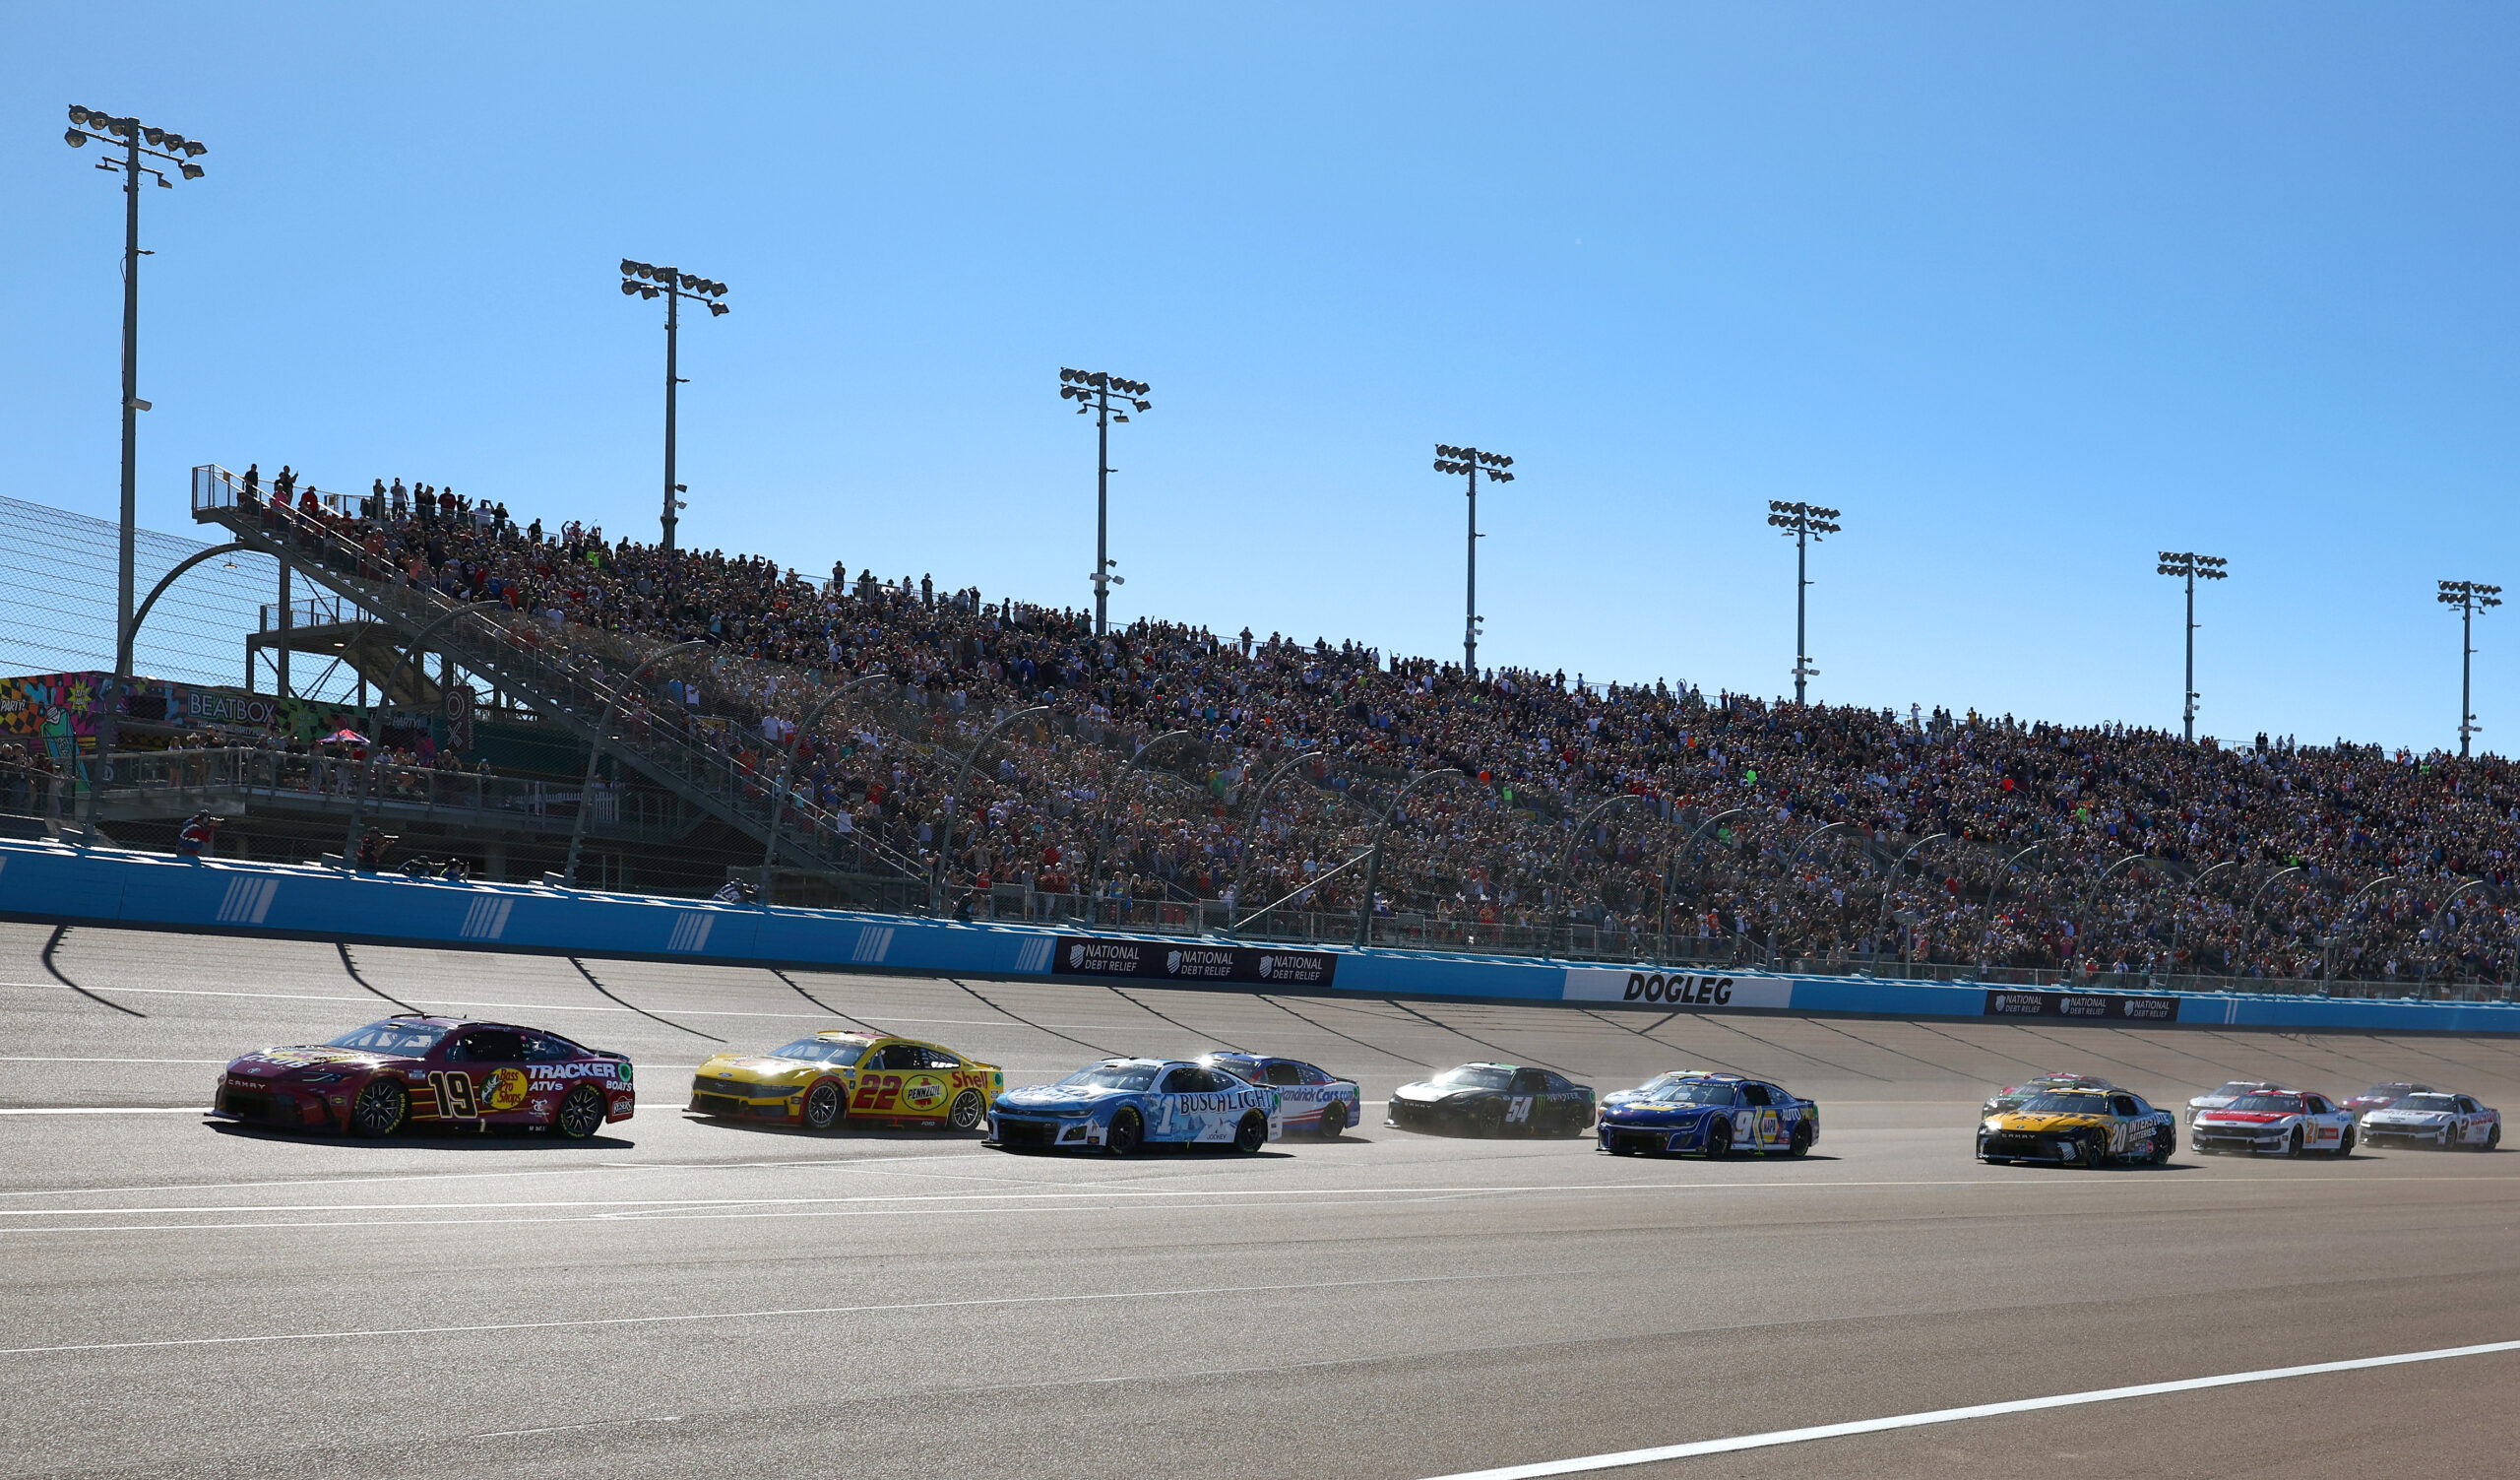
<point x="1699" y="1074"/>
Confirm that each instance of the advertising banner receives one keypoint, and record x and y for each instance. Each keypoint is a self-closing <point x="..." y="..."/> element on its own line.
<point x="2094" y="1006"/>
<point x="1165" y="961"/>
<point x="1676" y="988"/>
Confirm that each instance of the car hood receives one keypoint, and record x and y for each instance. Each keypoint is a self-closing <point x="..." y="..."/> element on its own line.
<point x="1664" y="1111"/>
<point x="755" y="1069"/>
<point x="1063" y="1096"/>
<point x="2252" y="1116"/>
<point x="2043" y="1122"/>
<point x="2409" y="1116"/>
<point x="277" y="1063"/>
<point x="1425" y="1091"/>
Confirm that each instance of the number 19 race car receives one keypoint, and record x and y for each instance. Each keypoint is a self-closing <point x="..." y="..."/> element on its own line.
<point x="2287" y="1122"/>
<point x="434" y="1071"/>
<point x="820" y="1080"/>
<point x="2080" y="1127"/>
<point x="1710" y="1114"/>
<point x="2432" y="1119"/>
<point x="1121" y="1104"/>
<point x="1308" y="1098"/>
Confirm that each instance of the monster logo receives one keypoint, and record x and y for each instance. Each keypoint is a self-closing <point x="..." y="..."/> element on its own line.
<point x="504" y="1089"/>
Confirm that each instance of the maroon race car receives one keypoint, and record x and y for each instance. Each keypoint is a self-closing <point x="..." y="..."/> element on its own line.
<point x="434" y="1071"/>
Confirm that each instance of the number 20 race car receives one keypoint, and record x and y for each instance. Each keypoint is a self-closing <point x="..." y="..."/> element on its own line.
<point x="818" y="1081"/>
<point x="2079" y="1127"/>
<point x="433" y="1070"/>
<point x="1121" y="1104"/>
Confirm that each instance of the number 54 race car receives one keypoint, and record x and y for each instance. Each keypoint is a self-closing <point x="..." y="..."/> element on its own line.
<point x="2287" y="1122"/>
<point x="1121" y="1104"/>
<point x="2080" y="1127"/>
<point x="1711" y="1114"/>
<point x="819" y="1081"/>
<point x="437" y="1070"/>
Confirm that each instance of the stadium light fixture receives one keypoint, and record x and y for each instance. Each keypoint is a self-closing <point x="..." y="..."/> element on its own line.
<point x="1093" y="392"/>
<point x="2469" y="596"/>
<point x="1806" y="524"/>
<point x="141" y="143"/>
<point x="673" y="285"/>
<point x="2192" y="567"/>
<point x="1470" y="462"/>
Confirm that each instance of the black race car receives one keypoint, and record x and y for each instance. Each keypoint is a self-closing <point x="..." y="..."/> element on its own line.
<point x="1492" y="1099"/>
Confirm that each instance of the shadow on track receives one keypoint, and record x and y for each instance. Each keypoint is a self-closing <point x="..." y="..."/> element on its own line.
<point x="635" y="1007"/>
<point x="1036" y="1027"/>
<point x="1174" y="1021"/>
<point x="352" y="968"/>
<point x="53" y="940"/>
<point x="826" y="1006"/>
<point x="502" y="1139"/>
<point x="1390" y="1054"/>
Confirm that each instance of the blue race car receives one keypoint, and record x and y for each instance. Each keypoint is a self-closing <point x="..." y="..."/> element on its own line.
<point x="1310" y="1099"/>
<point x="1709" y="1114"/>
<point x="1122" y="1104"/>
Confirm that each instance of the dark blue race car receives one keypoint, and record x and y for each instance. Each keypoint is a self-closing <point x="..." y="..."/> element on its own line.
<point x="1312" y="1100"/>
<point x="1713" y="1114"/>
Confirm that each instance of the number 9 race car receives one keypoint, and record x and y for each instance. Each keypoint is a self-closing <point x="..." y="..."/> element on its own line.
<point x="1121" y="1104"/>
<point x="2287" y="1122"/>
<point x="2448" y="1122"/>
<point x="822" y="1079"/>
<point x="2080" y="1127"/>
<point x="437" y="1070"/>
<point x="1710" y="1114"/>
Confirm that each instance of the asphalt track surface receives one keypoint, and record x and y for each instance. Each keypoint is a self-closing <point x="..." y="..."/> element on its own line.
<point x="685" y="1296"/>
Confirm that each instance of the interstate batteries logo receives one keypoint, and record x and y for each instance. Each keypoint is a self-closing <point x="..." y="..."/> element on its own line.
<point x="1677" y="989"/>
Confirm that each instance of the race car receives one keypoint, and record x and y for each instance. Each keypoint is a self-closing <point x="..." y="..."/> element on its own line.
<point x="2216" y="1099"/>
<point x="2434" y="1118"/>
<point x="1712" y="1114"/>
<point x="1492" y="1099"/>
<point x="824" y="1078"/>
<point x="1122" y="1104"/>
<point x="417" y="1069"/>
<point x="2013" y="1096"/>
<point x="1309" y="1099"/>
<point x="2382" y="1096"/>
<point x="2285" y="1122"/>
<point x="2079" y="1127"/>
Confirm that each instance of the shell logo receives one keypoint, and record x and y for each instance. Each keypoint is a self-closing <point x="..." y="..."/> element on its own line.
<point x="924" y="1092"/>
<point x="504" y="1089"/>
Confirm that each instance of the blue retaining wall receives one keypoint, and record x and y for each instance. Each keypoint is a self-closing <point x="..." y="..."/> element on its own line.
<point x="105" y="886"/>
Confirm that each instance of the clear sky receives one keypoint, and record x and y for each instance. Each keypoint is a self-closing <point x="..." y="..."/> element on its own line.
<point x="2028" y="292"/>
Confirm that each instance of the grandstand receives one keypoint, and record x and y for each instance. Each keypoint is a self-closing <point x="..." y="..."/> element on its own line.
<point x="945" y="752"/>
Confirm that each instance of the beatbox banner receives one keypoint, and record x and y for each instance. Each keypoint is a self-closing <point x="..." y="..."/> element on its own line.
<point x="1164" y="961"/>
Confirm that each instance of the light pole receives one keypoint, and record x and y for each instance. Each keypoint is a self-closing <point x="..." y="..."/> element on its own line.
<point x="2467" y="596"/>
<point x="2192" y="567"/>
<point x="1092" y="390"/>
<point x="641" y="280"/>
<point x="1470" y="462"/>
<point x="1804" y="524"/>
<point x="138" y="140"/>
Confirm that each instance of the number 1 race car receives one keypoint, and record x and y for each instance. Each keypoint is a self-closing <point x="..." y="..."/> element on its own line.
<point x="1710" y="1114"/>
<point x="2432" y="1119"/>
<point x="819" y="1081"/>
<point x="1308" y="1098"/>
<point x="1121" y="1104"/>
<point x="1492" y="1099"/>
<point x="435" y="1070"/>
<point x="2080" y="1127"/>
<point x="2287" y="1122"/>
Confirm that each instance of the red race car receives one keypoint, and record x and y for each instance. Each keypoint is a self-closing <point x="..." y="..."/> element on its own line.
<point x="435" y="1070"/>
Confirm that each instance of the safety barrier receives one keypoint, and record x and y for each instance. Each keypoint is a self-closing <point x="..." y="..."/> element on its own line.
<point x="53" y="884"/>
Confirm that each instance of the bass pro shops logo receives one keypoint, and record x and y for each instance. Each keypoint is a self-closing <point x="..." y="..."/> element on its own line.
<point x="1679" y="988"/>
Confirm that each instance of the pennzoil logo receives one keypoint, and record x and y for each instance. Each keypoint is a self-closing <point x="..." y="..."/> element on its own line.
<point x="923" y="1092"/>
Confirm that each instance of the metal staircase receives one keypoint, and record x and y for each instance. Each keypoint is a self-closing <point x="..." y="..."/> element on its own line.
<point x="531" y="661"/>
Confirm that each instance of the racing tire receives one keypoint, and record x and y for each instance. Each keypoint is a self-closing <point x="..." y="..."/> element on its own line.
<point x="1718" y="1140"/>
<point x="2293" y="1144"/>
<point x="1799" y="1144"/>
<point x="581" y="1113"/>
<point x="1489" y="1122"/>
<point x="2345" y="1144"/>
<point x="1126" y="1135"/>
<point x="2165" y="1141"/>
<point x="381" y="1109"/>
<point x="1251" y="1134"/>
<point x="2493" y="1139"/>
<point x="967" y="1112"/>
<point x="1334" y="1119"/>
<point x="2095" y="1151"/>
<point x="825" y="1106"/>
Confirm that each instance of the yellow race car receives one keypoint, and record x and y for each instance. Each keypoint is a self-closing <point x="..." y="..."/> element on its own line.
<point x="820" y="1081"/>
<point x="2079" y="1127"/>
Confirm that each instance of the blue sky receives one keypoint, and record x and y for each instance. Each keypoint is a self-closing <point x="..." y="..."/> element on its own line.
<point x="2030" y="292"/>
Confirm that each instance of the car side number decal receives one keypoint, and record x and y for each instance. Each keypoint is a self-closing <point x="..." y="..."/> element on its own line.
<point x="1518" y="1110"/>
<point x="454" y="1096"/>
<point x="877" y="1092"/>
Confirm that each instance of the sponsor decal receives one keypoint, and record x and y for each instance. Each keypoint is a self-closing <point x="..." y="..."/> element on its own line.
<point x="2110" y="1007"/>
<point x="1093" y="956"/>
<point x="924" y="1092"/>
<point x="559" y="1075"/>
<point x="505" y="1089"/>
<point x="1224" y="1103"/>
<point x="1679" y="988"/>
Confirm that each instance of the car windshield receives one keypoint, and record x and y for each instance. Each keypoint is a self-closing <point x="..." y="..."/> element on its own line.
<point x="391" y="1037"/>
<point x="1113" y="1076"/>
<point x="1474" y="1077"/>
<point x="2384" y="1091"/>
<point x="2426" y="1102"/>
<point x="2236" y="1088"/>
<point x="1676" y="1091"/>
<point x="838" y="1051"/>
<point x="2067" y="1105"/>
<point x="2267" y="1105"/>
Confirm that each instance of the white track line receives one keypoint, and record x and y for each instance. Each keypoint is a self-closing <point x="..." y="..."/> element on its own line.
<point x="611" y="1320"/>
<point x="1732" y="1445"/>
<point x="110" y="1109"/>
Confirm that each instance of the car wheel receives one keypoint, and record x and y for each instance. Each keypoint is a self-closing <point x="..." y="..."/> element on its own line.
<point x="581" y="1113"/>
<point x="2493" y="1139"/>
<point x="2345" y="1144"/>
<point x="1126" y="1135"/>
<point x="2292" y="1144"/>
<point x="1334" y="1119"/>
<point x="2095" y="1150"/>
<point x="1489" y="1121"/>
<point x="1800" y="1144"/>
<point x="2165" y="1141"/>
<point x="1718" y="1140"/>
<point x="825" y="1104"/>
<point x="1252" y="1133"/>
<point x="966" y="1110"/>
<point x="380" y="1109"/>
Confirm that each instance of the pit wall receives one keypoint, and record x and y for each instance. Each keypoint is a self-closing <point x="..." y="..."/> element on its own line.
<point x="54" y="884"/>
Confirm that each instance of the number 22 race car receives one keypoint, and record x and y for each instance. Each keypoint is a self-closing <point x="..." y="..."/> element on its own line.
<point x="818" y="1081"/>
<point x="433" y="1070"/>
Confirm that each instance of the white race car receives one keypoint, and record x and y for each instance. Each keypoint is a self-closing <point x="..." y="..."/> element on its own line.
<point x="2448" y="1122"/>
<point x="2285" y="1122"/>
<point x="2216" y="1099"/>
